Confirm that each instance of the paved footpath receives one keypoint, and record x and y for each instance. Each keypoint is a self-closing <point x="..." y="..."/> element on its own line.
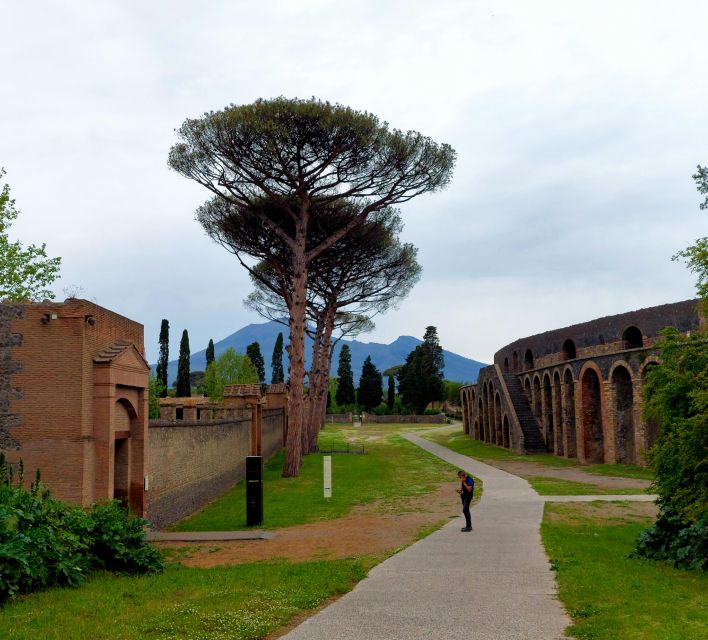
<point x="494" y="583"/>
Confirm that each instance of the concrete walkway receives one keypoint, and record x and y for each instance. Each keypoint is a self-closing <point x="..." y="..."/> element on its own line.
<point x="494" y="583"/>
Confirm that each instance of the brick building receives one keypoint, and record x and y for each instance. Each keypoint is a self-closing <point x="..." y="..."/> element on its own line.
<point x="74" y="399"/>
<point x="576" y="391"/>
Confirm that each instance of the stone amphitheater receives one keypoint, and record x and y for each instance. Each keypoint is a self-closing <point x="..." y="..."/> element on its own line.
<point x="576" y="391"/>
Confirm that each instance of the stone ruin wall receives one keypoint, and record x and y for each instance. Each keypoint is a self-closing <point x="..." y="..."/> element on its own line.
<point x="8" y="340"/>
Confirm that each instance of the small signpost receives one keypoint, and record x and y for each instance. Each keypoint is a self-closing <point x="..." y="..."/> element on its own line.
<point x="327" y="461"/>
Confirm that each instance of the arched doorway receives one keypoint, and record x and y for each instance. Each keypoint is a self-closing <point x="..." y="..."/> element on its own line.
<point x="497" y="419"/>
<point x="124" y="414"/>
<point x="547" y="409"/>
<point x="593" y="436"/>
<point x="479" y="423"/>
<point x="625" y="451"/>
<point x="632" y="338"/>
<point x="569" y="413"/>
<point x="558" y="415"/>
<point x="506" y="365"/>
<point x="537" y="398"/>
<point x="528" y="360"/>
<point x="569" y="352"/>
<point x="506" y="435"/>
<point x="515" y="361"/>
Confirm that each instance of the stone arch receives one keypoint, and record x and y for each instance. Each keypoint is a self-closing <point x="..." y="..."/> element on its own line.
<point x="497" y="419"/>
<point x="536" y="404"/>
<point x="569" y="412"/>
<point x="651" y="427"/>
<point x="547" y="409"/>
<point x="506" y="432"/>
<point x="625" y="450"/>
<point x="124" y="417"/>
<point x="480" y="420"/>
<point x="515" y="361"/>
<point x="528" y="360"/>
<point x="506" y="365"/>
<point x="527" y="389"/>
<point x="569" y="352"/>
<point x="476" y="429"/>
<point x="591" y="422"/>
<point x="558" y="414"/>
<point x="632" y="338"/>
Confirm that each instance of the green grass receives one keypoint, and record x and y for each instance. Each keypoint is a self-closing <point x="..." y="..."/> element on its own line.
<point x="609" y="595"/>
<point x="242" y="601"/>
<point x="391" y="470"/>
<point x="457" y="440"/>
<point x="559" y="487"/>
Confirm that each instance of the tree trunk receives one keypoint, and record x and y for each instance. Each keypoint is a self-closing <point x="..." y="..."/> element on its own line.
<point x="296" y="351"/>
<point x="319" y="400"/>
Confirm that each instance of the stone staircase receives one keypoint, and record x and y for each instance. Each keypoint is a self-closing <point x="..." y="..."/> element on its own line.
<point x="533" y="440"/>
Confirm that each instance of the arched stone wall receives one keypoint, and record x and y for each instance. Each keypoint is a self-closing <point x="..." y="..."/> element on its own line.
<point x="592" y="422"/>
<point x="623" y="396"/>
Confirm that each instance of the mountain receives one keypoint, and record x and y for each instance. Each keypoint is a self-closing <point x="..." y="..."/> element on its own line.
<point x="457" y="367"/>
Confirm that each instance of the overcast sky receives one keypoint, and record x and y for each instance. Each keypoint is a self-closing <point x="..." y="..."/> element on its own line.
<point x="577" y="125"/>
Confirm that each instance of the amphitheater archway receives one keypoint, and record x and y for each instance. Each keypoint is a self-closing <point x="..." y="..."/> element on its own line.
<point x="569" y="352"/>
<point x="569" y="412"/>
<point x="632" y="338"/>
<point x="506" y="435"/>
<point x="479" y="423"/>
<point x="547" y="408"/>
<point x="625" y="450"/>
<point x="506" y="365"/>
<point x="497" y="419"/>
<point x="558" y="414"/>
<point x="592" y="427"/>
<point x="537" y="398"/>
<point x="515" y="361"/>
<point x="528" y="360"/>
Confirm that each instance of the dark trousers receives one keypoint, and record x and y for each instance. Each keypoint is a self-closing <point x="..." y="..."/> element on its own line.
<point x="466" y="510"/>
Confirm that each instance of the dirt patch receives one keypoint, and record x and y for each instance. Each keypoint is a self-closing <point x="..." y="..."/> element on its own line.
<point x="366" y="531"/>
<point x="533" y="469"/>
<point x="601" y="513"/>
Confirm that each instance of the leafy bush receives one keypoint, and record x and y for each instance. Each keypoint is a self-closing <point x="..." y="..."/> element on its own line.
<point x="46" y="542"/>
<point x="432" y="412"/>
<point x="671" y="539"/>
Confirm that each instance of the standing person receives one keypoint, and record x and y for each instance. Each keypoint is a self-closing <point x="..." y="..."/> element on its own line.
<point x="466" y="492"/>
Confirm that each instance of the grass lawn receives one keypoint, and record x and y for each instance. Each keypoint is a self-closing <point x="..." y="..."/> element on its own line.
<point x="560" y="487"/>
<point x="454" y="438"/>
<point x="242" y="601"/>
<point x="245" y="600"/>
<point x="610" y="596"/>
<point x="391" y="469"/>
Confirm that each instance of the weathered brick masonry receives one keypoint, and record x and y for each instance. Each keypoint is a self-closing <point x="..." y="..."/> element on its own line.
<point x="8" y="339"/>
<point x="575" y="391"/>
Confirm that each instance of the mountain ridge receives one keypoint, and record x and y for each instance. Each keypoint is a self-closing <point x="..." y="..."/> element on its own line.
<point x="383" y="355"/>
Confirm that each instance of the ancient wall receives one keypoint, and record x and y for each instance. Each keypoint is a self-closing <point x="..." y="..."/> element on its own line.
<point x="8" y="339"/>
<point x="272" y="434"/>
<point x="436" y="419"/>
<point x="192" y="462"/>
<point x="338" y="417"/>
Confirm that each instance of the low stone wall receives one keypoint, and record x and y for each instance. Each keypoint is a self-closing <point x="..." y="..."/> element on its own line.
<point x="272" y="432"/>
<point x="436" y="419"/>
<point x="338" y="417"/>
<point x="193" y="462"/>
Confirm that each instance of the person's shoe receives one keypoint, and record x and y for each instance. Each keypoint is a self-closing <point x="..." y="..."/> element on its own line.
<point x="466" y="529"/>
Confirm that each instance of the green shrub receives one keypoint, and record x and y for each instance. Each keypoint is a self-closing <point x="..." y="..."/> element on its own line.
<point x="670" y="538"/>
<point x="432" y="412"/>
<point x="46" y="542"/>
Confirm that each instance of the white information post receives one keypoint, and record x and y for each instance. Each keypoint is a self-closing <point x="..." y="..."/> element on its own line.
<point x="327" y="461"/>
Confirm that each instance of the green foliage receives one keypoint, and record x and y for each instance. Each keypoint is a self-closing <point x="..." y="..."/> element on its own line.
<point x="46" y="542"/>
<point x="370" y="386"/>
<point x="25" y="273"/>
<point x="276" y="362"/>
<point x="163" y="357"/>
<point x="155" y="391"/>
<point x="451" y="391"/>
<point x="420" y="380"/>
<point x="391" y="393"/>
<point x="209" y="354"/>
<point x="184" y="389"/>
<point x="670" y="539"/>
<point x="229" y="368"/>
<point x="253" y="351"/>
<point x="345" y="386"/>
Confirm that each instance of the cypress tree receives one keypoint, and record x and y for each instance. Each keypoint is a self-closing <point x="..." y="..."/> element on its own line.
<point x="253" y="351"/>
<point x="161" y="369"/>
<point x="420" y="380"/>
<point x="276" y="363"/>
<point x="391" y="396"/>
<point x="370" y="385"/>
<point x="209" y="354"/>
<point x="345" y="390"/>
<point x="184" y="389"/>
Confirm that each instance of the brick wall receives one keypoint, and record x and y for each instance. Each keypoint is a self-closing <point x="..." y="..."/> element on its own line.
<point x="194" y="461"/>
